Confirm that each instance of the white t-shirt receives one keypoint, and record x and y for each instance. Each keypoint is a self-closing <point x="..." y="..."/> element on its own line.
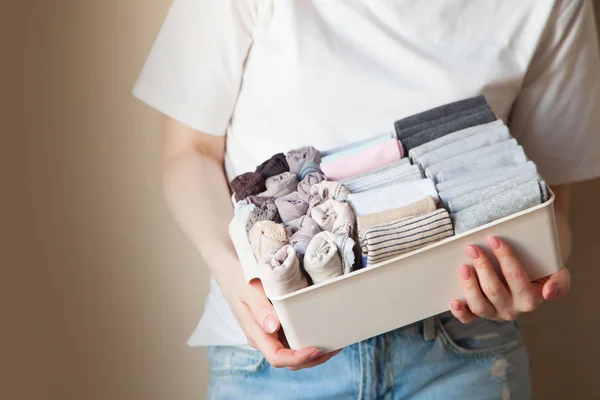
<point x="276" y="75"/>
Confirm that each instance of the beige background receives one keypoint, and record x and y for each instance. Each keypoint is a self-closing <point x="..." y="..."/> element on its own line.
<point x="99" y="289"/>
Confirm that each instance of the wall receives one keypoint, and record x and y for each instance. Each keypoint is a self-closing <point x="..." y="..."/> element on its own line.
<point x="101" y="290"/>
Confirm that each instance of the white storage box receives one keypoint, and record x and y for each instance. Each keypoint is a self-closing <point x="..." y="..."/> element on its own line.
<point x="407" y="288"/>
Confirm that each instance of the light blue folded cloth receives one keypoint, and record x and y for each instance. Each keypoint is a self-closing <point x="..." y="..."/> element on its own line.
<point x="354" y="148"/>
<point x="403" y="173"/>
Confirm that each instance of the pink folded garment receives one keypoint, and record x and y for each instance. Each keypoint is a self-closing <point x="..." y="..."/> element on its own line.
<point x="372" y="157"/>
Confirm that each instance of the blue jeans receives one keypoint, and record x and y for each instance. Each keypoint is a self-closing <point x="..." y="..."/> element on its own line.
<point x="439" y="358"/>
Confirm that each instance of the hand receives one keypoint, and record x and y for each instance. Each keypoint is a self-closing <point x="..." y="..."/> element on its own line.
<point x="488" y="297"/>
<point x="260" y="324"/>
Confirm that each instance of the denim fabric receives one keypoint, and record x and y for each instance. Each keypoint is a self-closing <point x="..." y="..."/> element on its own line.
<point x="438" y="358"/>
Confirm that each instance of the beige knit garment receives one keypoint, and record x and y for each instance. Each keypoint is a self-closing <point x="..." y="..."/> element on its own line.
<point x="266" y="238"/>
<point x="280" y="273"/>
<point x="334" y="216"/>
<point x="426" y="205"/>
<point x="322" y="260"/>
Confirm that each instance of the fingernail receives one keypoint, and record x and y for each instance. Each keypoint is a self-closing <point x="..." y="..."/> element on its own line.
<point x="315" y="354"/>
<point x="465" y="272"/>
<point x="456" y="306"/>
<point x="494" y="243"/>
<point x="552" y="292"/>
<point x="270" y="324"/>
<point x="472" y="252"/>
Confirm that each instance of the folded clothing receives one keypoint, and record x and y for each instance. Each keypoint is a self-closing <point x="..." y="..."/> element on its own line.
<point x="385" y="241"/>
<point x="505" y="172"/>
<point x="280" y="273"/>
<point x="330" y="190"/>
<point x="300" y="232"/>
<point x="439" y="112"/>
<point x="257" y="200"/>
<point x="273" y="166"/>
<point x="307" y="168"/>
<point x="309" y="180"/>
<point x="370" y="158"/>
<point x="480" y="140"/>
<point x="298" y="157"/>
<point x="345" y="245"/>
<point x="266" y="238"/>
<point x="416" y="152"/>
<point x="354" y="150"/>
<point x="266" y="212"/>
<point x="482" y="117"/>
<point x="322" y="260"/>
<point x="511" y="201"/>
<point x="280" y="185"/>
<point x="374" y="180"/>
<point x="424" y="206"/>
<point x="291" y="206"/>
<point x="394" y="196"/>
<point x="362" y="144"/>
<point x="334" y="216"/>
<point x="248" y="184"/>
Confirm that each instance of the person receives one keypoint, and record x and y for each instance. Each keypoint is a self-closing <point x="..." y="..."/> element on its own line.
<point x="240" y="80"/>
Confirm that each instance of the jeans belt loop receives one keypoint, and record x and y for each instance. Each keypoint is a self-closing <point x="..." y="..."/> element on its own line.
<point x="429" y="329"/>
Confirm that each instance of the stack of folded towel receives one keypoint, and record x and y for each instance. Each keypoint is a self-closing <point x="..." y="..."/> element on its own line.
<point x="304" y="211"/>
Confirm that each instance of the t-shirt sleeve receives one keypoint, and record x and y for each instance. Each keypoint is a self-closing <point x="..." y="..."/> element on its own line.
<point x="556" y="116"/>
<point x="194" y="70"/>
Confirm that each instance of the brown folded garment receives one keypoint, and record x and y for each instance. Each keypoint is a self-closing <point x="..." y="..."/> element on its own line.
<point x="273" y="166"/>
<point x="248" y="184"/>
<point x="426" y="205"/>
<point x="266" y="212"/>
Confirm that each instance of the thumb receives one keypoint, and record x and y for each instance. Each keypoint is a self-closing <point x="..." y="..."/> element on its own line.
<point x="557" y="285"/>
<point x="261" y="307"/>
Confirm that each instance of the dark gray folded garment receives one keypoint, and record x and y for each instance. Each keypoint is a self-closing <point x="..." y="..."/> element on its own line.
<point x="440" y="112"/>
<point x="501" y="205"/>
<point x="480" y="118"/>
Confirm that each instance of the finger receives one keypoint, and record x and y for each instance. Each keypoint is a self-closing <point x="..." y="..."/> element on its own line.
<point x="462" y="313"/>
<point x="476" y="301"/>
<point x="557" y="285"/>
<point x="524" y="296"/>
<point x="317" y="361"/>
<point x="261" y="307"/>
<point x="489" y="282"/>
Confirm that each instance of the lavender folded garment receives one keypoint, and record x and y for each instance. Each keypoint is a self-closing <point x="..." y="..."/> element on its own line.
<point x="404" y="173"/>
<point x="300" y="232"/>
<point x="280" y="273"/>
<point x="330" y="190"/>
<point x="266" y="238"/>
<point x="393" y="196"/>
<point x="511" y="201"/>
<point x="291" y="206"/>
<point x="440" y="112"/>
<point x="322" y="260"/>
<point x="480" y="140"/>
<point x="334" y="216"/>
<point x="497" y="155"/>
<point x="309" y="180"/>
<point x="298" y="157"/>
<point x="248" y="184"/>
<point x="273" y="166"/>
<point x="280" y="185"/>
<point x="266" y="212"/>
<point x="368" y="159"/>
<point x="450" y="138"/>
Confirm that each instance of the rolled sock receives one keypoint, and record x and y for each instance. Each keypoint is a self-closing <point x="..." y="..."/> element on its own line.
<point x="300" y="232"/>
<point x="389" y="197"/>
<point x="501" y="205"/>
<point x="348" y="148"/>
<point x="330" y="190"/>
<point x="401" y="174"/>
<point x="280" y="273"/>
<point x="480" y="156"/>
<point x="309" y="180"/>
<point x="480" y="118"/>
<point x="273" y="166"/>
<point x="280" y="185"/>
<point x="374" y="156"/>
<point x="425" y="125"/>
<point x="424" y="206"/>
<point x="322" y="260"/>
<point x="248" y="184"/>
<point x="440" y="112"/>
<point x="266" y="212"/>
<point x="416" y="152"/>
<point x="469" y="199"/>
<point x="505" y="172"/>
<point x="298" y="157"/>
<point x="334" y="216"/>
<point x="466" y="145"/>
<point x="291" y="206"/>
<point x="266" y="238"/>
<point x="385" y="241"/>
<point x="308" y="168"/>
<point x="258" y="201"/>
<point x="448" y="195"/>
